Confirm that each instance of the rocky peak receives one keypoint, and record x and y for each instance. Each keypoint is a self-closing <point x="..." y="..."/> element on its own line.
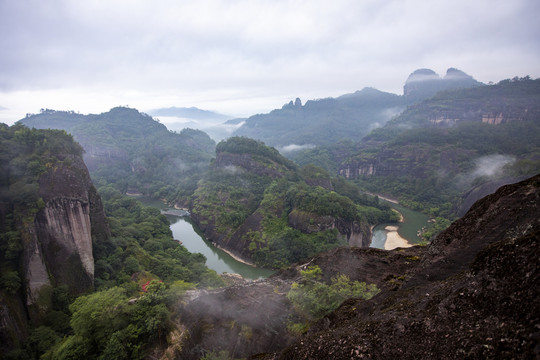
<point x="424" y="83"/>
<point x="453" y="73"/>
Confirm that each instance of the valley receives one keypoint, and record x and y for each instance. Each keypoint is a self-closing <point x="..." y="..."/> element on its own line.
<point x="90" y="272"/>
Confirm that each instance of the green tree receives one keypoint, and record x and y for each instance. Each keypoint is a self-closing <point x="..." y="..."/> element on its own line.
<point x="314" y="299"/>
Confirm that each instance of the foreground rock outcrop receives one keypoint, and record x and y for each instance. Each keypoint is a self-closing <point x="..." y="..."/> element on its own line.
<point x="474" y="294"/>
<point x="252" y="317"/>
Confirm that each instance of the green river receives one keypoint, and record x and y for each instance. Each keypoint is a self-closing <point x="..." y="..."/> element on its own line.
<point x="216" y="259"/>
<point x="191" y="237"/>
<point x="413" y="221"/>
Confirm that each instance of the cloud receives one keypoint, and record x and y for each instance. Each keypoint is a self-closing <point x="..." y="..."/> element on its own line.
<point x="295" y="147"/>
<point x="241" y="57"/>
<point x="491" y="166"/>
<point x="486" y="168"/>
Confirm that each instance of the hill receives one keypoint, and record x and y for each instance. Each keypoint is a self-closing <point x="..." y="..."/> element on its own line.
<point x="133" y="151"/>
<point x="72" y="262"/>
<point x="425" y="83"/>
<point x="259" y="206"/>
<point x="323" y="121"/>
<point x="50" y="218"/>
<point x="442" y="154"/>
<point x="348" y="117"/>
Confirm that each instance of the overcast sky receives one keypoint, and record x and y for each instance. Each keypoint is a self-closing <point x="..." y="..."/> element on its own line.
<point x="247" y="57"/>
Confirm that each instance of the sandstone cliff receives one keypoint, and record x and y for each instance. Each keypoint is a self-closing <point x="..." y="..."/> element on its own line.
<point x="64" y="229"/>
<point x="51" y="215"/>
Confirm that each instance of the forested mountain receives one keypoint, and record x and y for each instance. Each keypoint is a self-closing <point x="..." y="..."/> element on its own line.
<point x="347" y="117"/>
<point x="324" y="121"/>
<point x="59" y="243"/>
<point x="258" y="205"/>
<point x="456" y="143"/>
<point x="133" y="151"/>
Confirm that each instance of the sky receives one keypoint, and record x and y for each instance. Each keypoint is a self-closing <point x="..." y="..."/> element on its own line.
<point x="247" y="56"/>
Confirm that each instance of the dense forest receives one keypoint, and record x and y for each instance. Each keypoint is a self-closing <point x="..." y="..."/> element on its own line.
<point x="140" y="271"/>
<point x="133" y="152"/>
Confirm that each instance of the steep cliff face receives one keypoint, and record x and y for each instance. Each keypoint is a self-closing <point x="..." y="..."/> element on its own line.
<point x="51" y="215"/>
<point x="355" y="233"/>
<point x="64" y="228"/>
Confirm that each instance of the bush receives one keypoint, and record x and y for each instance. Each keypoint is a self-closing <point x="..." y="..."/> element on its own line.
<point x="314" y="299"/>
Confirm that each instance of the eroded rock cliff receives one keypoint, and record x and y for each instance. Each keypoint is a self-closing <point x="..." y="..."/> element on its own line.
<point x="50" y="218"/>
<point x="64" y="228"/>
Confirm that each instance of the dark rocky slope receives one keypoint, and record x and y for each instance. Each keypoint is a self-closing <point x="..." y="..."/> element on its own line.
<point x="251" y="317"/>
<point x="474" y="294"/>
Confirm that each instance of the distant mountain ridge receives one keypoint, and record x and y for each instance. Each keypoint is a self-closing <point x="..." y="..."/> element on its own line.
<point x="444" y="146"/>
<point x="347" y="117"/>
<point x="424" y="83"/>
<point x="189" y="113"/>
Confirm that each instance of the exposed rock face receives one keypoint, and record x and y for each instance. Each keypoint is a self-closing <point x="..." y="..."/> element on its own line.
<point x="355" y="233"/>
<point x="424" y="83"/>
<point x="243" y="319"/>
<point x="60" y="251"/>
<point x="473" y="294"/>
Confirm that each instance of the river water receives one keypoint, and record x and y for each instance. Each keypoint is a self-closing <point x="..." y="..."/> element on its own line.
<point x="413" y="221"/>
<point x="192" y="238"/>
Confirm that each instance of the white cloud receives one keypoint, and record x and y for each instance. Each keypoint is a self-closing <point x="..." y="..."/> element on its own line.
<point x="295" y="147"/>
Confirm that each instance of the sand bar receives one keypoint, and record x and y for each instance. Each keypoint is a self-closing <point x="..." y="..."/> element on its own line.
<point x="393" y="240"/>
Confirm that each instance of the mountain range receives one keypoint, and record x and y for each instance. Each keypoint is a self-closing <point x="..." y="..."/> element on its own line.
<point x="347" y="117"/>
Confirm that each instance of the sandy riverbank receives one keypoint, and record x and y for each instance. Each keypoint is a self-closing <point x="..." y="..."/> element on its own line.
<point x="393" y="240"/>
<point x="239" y="259"/>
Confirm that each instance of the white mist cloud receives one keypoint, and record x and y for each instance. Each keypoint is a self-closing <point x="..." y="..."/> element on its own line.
<point x="487" y="167"/>
<point x="491" y="165"/>
<point x="295" y="147"/>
